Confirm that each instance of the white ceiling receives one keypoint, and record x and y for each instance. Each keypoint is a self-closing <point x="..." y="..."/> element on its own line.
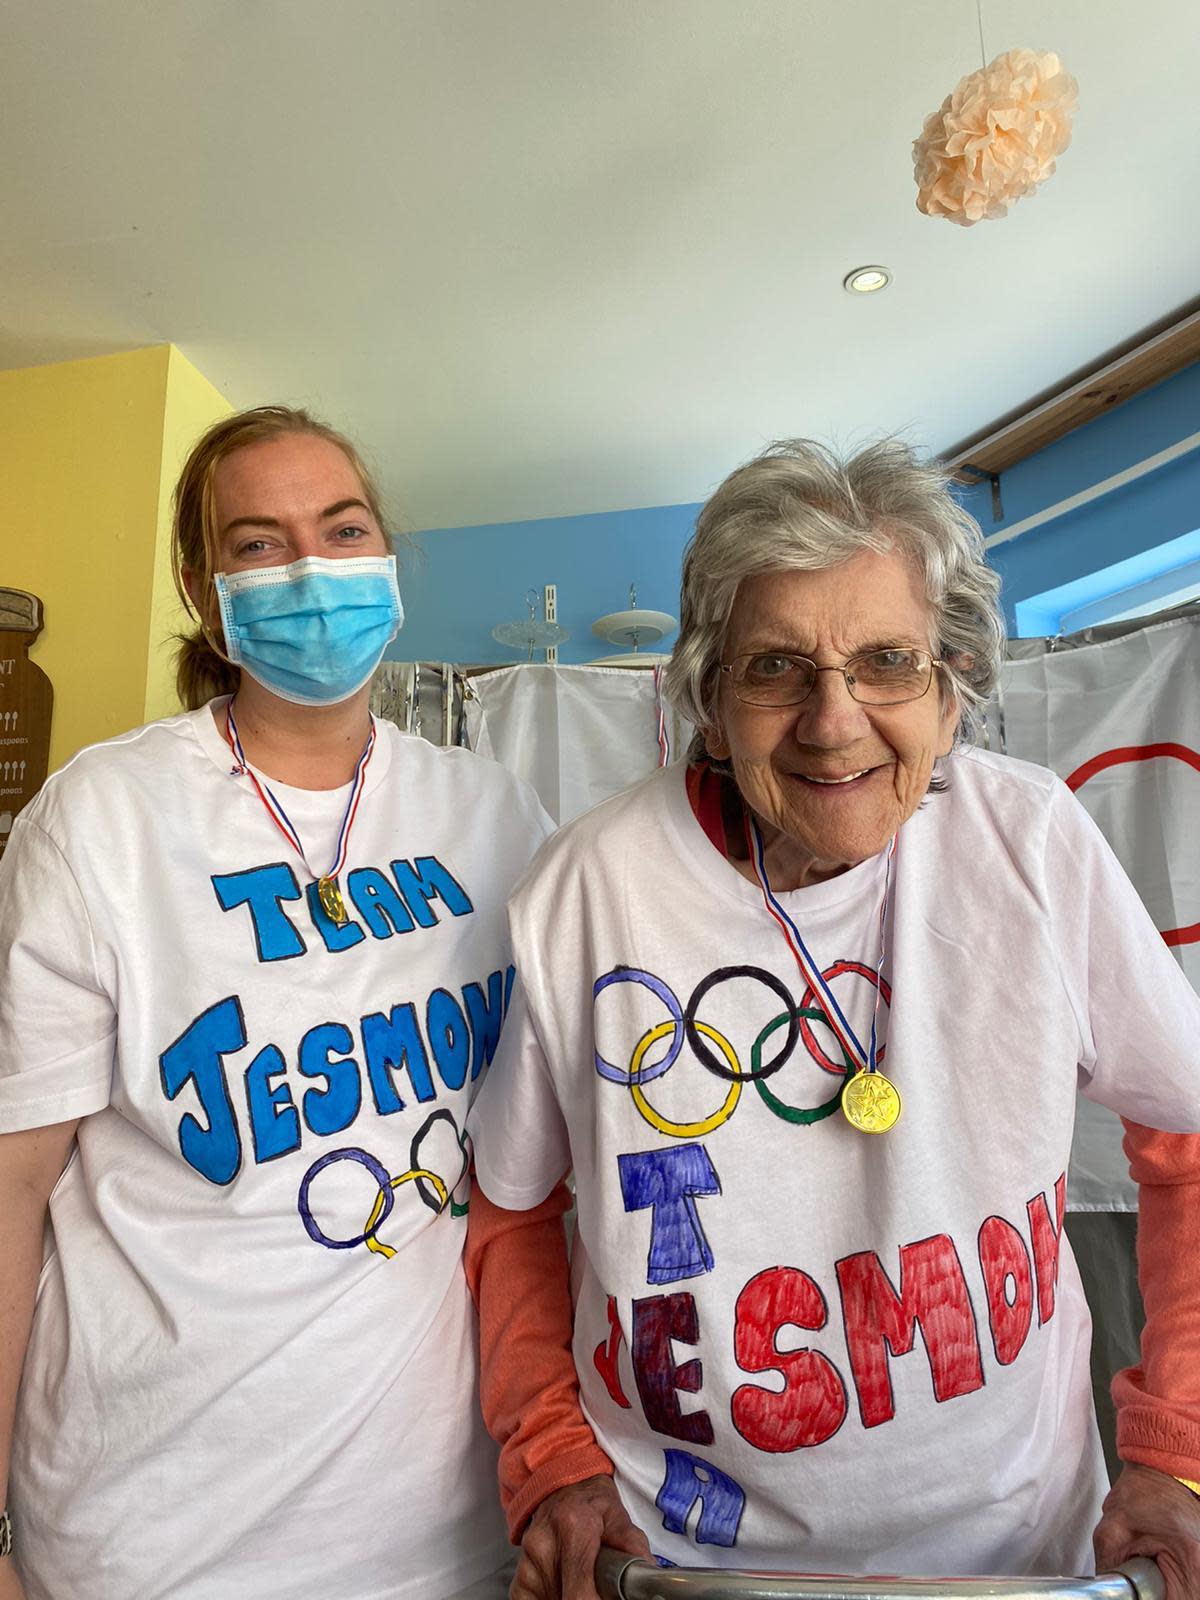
<point x="556" y="256"/>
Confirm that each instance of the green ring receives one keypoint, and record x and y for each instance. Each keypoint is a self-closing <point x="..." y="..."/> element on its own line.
<point x="805" y="1117"/>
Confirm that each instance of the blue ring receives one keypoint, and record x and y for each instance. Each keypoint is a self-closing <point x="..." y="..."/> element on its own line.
<point x="657" y="987"/>
<point x="377" y="1170"/>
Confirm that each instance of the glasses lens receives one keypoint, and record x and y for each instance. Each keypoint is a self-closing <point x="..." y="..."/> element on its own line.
<point x="772" y="680"/>
<point x="888" y="677"/>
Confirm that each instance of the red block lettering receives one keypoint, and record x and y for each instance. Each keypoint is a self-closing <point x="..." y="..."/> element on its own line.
<point x="812" y="1406"/>
<point x="1047" y="1236"/>
<point x="933" y="1293"/>
<point x="607" y="1356"/>
<point x="1004" y="1259"/>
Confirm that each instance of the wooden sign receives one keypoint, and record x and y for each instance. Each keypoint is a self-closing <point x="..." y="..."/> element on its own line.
<point x="26" y="704"/>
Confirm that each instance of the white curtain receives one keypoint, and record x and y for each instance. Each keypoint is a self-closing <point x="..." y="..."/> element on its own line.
<point x="576" y="734"/>
<point x="1116" y="713"/>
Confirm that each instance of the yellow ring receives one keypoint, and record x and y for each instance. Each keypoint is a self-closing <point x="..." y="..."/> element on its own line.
<point x="684" y="1130"/>
<point x="410" y="1176"/>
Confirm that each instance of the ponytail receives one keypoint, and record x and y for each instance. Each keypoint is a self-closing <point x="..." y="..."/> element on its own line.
<point x="200" y="673"/>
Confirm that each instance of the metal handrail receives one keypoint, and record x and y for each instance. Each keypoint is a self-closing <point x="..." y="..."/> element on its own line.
<point x="624" y="1577"/>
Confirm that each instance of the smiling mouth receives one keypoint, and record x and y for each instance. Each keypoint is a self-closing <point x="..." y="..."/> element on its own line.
<point x="833" y="782"/>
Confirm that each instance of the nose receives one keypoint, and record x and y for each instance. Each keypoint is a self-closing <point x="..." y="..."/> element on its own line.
<point x="831" y="718"/>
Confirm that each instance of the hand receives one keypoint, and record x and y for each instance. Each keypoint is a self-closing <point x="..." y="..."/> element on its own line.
<point x="558" y="1552"/>
<point x="1146" y="1513"/>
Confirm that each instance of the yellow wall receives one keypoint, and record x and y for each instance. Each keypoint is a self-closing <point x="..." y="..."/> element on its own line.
<point x="192" y="405"/>
<point x="85" y="448"/>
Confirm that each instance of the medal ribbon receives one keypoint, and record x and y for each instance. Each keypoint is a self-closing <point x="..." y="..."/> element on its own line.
<point x="280" y="817"/>
<point x="865" y="1060"/>
<point x="660" y="721"/>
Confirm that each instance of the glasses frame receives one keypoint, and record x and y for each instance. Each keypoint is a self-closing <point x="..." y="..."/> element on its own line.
<point x="786" y="705"/>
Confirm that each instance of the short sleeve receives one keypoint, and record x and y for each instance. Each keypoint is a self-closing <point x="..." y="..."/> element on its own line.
<point x="520" y="1137"/>
<point x="1138" y="1016"/>
<point x="57" y="1024"/>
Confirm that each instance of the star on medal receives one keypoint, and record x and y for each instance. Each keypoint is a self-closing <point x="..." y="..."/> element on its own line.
<point x="871" y="1102"/>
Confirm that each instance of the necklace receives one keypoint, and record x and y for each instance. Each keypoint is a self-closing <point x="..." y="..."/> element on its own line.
<point x="870" y="1100"/>
<point x="328" y="892"/>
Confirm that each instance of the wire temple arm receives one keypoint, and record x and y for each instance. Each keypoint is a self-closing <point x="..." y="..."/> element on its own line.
<point x="623" y="1577"/>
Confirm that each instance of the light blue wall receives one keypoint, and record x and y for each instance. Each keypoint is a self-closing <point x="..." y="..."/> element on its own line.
<point x="1161" y="506"/>
<point x="468" y="579"/>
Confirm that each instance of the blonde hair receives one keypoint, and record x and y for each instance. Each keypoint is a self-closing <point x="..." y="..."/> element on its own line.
<point x="200" y="670"/>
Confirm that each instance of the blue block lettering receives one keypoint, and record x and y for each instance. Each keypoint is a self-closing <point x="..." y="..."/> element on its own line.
<point x="722" y="1499"/>
<point x="262" y="889"/>
<point x="486" y="1015"/>
<point x="449" y="1037"/>
<point x="668" y="1180"/>
<point x="335" y="936"/>
<point x="214" y="1151"/>
<point x="424" y="880"/>
<point x="335" y="1107"/>
<point x="377" y="903"/>
<point x="509" y="979"/>
<point x="274" y="1125"/>
<point x="395" y="1041"/>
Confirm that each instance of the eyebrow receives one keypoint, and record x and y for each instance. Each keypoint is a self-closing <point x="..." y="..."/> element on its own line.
<point x="888" y="642"/>
<point x="334" y="510"/>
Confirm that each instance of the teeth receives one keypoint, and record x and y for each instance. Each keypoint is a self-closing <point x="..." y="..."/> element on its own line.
<point x="849" y="778"/>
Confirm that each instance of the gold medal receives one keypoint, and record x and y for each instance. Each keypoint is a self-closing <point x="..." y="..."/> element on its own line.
<point x="871" y="1102"/>
<point x="331" y="900"/>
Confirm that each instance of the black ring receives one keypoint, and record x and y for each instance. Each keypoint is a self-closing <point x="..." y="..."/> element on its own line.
<point x="424" y="1188"/>
<point x="706" y="1057"/>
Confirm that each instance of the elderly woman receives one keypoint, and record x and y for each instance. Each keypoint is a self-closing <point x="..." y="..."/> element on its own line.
<point x="807" y="1015"/>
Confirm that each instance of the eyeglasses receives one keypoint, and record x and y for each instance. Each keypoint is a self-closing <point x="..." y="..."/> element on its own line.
<point x="887" y="677"/>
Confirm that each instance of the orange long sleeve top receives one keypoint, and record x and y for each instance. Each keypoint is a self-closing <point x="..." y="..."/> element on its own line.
<point x="517" y="1269"/>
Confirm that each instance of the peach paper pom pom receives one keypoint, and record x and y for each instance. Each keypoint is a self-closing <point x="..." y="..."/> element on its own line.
<point x="995" y="138"/>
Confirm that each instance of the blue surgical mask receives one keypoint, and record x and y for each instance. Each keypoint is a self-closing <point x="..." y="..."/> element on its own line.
<point x="312" y="632"/>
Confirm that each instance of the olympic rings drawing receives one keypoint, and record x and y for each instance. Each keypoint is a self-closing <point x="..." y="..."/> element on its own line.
<point x="414" y="1174"/>
<point x="435" y="1191"/>
<point x="722" y="975"/>
<point x="722" y="1062"/>
<point x="655" y="986"/>
<point x="684" y="1130"/>
<point x="860" y="969"/>
<point x="803" y="1116"/>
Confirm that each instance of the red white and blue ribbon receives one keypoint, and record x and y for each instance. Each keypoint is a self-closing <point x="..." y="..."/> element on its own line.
<point x="865" y="1060"/>
<point x="660" y="714"/>
<point x="280" y="817"/>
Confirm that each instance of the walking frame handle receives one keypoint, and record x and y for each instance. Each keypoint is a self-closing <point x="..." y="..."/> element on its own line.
<point x="624" y="1577"/>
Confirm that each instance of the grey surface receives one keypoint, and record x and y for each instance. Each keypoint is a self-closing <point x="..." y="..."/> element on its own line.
<point x="622" y="1577"/>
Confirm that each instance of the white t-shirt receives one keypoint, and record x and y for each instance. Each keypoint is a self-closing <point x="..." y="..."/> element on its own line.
<point x="804" y="1347"/>
<point x="224" y="1394"/>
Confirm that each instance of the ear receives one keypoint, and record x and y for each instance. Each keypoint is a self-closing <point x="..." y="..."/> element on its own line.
<point x="716" y="744"/>
<point x="203" y="603"/>
<point x="951" y="711"/>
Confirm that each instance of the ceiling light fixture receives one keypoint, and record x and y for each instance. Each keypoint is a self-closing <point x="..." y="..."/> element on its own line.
<point x="866" y="280"/>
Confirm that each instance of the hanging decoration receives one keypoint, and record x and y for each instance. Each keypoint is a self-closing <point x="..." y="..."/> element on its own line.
<point x="995" y="138"/>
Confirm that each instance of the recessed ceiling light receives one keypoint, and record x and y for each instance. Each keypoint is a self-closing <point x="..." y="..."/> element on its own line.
<point x="866" y="280"/>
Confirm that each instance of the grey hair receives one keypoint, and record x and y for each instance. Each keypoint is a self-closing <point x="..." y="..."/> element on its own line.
<point x="799" y="508"/>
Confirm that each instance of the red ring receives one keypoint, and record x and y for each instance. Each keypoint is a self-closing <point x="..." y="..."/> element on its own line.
<point x="1142" y="752"/>
<point x="838" y="1068"/>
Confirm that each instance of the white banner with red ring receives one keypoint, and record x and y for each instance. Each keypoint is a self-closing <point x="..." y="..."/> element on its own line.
<point x="1118" y="719"/>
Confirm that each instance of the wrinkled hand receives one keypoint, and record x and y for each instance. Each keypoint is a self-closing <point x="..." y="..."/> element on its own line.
<point x="558" y="1552"/>
<point x="1146" y="1513"/>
